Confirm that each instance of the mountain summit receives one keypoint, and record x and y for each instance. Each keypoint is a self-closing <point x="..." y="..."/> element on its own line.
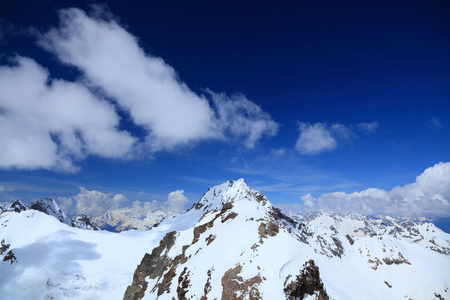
<point x="244" y="248"/>
<point x="232" y="244"/>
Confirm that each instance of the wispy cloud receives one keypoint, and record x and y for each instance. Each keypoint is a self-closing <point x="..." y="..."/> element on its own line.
<point x="435" y="122"/>
<point x="428" y="196"/>
<point x="52" y="124"/>
<point x="368" y="128"/>
<point x="283" y="171"/>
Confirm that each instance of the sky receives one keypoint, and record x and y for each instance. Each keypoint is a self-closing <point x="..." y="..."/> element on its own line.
<point x="321" y="105"/>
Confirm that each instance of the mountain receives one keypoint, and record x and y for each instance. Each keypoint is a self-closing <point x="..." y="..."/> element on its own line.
<point x="232" y="244"/>
<point x="123" y="219"/>
<point x="51" y="208"/>
<point x="244" y="248"/>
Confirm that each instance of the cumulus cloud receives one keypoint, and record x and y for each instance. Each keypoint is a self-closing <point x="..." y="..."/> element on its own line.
<point x="321" y="137"/>
<point x="314" y="139"/>
<point x="428" y="196"/>
<point x="50" y="123"/>
<point x="148" y="88"/>
<point x="94" y="203"/>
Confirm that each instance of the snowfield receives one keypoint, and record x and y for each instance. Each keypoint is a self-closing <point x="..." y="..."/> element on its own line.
<point x="231" y="245"/>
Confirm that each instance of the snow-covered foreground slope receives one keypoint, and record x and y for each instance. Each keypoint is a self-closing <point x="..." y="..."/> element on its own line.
<point x="55" y="261"/>
<point x="231" y="245"/>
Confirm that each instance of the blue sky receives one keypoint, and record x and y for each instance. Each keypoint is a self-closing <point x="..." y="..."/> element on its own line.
<point x="300" y="99"/>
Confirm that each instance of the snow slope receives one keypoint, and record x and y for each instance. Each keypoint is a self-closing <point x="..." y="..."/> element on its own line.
<point x="232" y="244"/>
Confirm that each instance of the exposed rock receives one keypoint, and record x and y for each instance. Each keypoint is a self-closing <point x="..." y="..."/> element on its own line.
<point x="9" y="255"/>
<point x="48" y="206"/>
<point x="307" y="282"/>
<point x="183" y="284"/>
<point x="234" y="287"/>
<point x="17" y="206"/>
<point x="3" y="247"/>
<point x="152" y="265"/>
<point x="338" y="250"/>
<point x="210" y="239"/>
<point x="270" y="229"/>
<point x="164" y="285"/>
<point x="388" y="284"/>
<point x="396" y="261"/>
<point x="83" y="222"/>
<point x="350" y="240"/>
<point x="207" y="287"/>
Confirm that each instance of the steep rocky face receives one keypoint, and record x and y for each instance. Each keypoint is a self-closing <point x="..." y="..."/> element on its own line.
<point x="18" y="206"/>
<point x="308" y="282"/>
<point x="49" y="207"/>
<point x="152" y="266"/>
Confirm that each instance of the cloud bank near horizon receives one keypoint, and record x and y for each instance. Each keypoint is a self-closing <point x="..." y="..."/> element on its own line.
<point x="428" y="196"/>
<point x="95" y="203"/>
<point x="51" y="123"/>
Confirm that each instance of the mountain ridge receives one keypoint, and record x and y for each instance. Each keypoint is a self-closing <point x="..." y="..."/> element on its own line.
<point x="231" y="244"/>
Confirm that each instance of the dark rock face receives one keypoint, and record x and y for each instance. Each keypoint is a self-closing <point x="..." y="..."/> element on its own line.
<point x="83" y="222"/>
<point x="9" y="257"/>
<point x="152" y="265"/>
<point x="350" y="240"/>
<point x="307" y="282"/>
<point x="49" y="207"/>
<point x="18" y="206"/>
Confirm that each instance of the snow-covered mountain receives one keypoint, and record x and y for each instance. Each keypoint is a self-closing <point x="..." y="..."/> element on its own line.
<point x="51" y="208"/>
<point x="123" y="219"/>
<point x="232" y="244"/>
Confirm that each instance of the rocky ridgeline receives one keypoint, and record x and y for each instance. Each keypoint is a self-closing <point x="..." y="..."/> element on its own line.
<point x="51" y="208"/>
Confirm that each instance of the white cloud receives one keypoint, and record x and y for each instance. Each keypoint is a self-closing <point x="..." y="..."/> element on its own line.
<point x="242" y="118"/>
<point x="51" y="124"/>
<point x="47" y="123"/>
<point x="176" y="201"/>
<point x="94" y="203"/>
<point x="314" y="139"/>
<point x="321" y="137"/>
<point x="91" y="203"/>
<point x="429" y="196"/>
<point x="147" y="87"/>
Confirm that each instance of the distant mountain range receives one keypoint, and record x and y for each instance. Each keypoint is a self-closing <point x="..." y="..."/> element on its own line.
<point x="232" y="244"/>
<point x="116" y="220"/>
<point x="51" y="208"/>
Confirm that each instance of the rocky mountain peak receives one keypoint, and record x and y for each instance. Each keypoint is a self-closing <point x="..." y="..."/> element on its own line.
<point x="18" y="206"/>
<point x="230" y="192"/>
<point x="51" y="208"/>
